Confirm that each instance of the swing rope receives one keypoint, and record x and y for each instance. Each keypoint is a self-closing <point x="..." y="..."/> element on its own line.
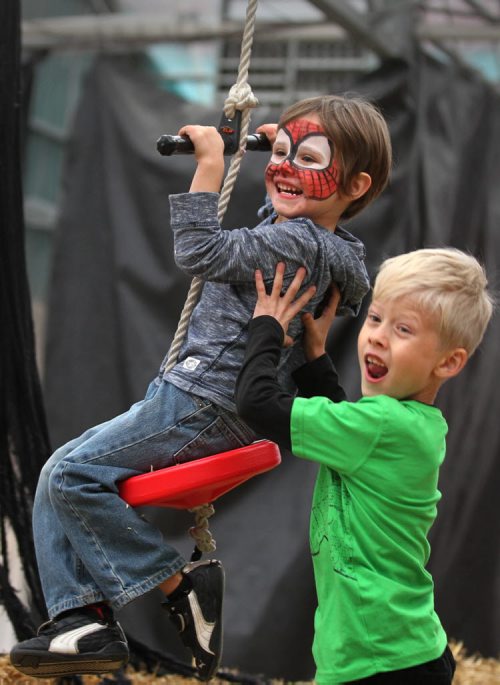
<point x="240" y="98"/>
<point x="200" y="532"/>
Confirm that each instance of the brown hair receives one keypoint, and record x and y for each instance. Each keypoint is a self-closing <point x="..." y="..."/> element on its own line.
<point x="361" y="141"/>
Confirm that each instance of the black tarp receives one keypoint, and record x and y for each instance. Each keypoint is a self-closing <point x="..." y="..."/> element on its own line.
<point x="24" y="444"/>
<point x="116" y="296"/>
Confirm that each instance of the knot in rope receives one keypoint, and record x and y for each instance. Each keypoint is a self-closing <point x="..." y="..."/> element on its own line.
<point x="200" y="532"/>
<point x="240" y="97"/>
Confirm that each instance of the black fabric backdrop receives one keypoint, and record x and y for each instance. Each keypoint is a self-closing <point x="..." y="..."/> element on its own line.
<point x="116" y="297"/>
<point x="24" y="444"/>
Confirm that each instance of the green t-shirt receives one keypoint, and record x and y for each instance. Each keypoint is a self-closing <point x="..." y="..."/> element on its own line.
<point x="374" y="502"/>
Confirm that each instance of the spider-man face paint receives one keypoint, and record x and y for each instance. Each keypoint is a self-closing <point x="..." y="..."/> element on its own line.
<point x="302" y="152"/>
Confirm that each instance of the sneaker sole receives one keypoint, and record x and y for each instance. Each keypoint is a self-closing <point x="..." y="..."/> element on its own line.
<point x="45" y="666"/>
<point x="208" y="674"/>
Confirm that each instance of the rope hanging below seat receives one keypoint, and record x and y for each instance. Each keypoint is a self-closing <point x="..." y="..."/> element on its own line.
<point x="194" y="485"/>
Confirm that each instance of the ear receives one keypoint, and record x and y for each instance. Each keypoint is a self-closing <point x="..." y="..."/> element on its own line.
<point x="451" y="364"/>
<point x="359" y="185"/>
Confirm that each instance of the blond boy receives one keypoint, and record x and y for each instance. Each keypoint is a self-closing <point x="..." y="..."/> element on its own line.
<point x="376" y="493"/>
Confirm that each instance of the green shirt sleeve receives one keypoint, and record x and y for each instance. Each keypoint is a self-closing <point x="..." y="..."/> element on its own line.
<point x="339" y="435"/>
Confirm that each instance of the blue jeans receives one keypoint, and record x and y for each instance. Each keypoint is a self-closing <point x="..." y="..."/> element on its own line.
<point x="90" y="545"/>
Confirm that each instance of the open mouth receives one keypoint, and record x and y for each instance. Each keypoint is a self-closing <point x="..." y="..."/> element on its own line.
<point x="290" y="191"/>
<point x="375" y="369"/>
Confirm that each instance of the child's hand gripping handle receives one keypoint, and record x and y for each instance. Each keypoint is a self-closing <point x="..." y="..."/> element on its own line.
<point x="182" y="145"/>
<point x="229" y="130"/>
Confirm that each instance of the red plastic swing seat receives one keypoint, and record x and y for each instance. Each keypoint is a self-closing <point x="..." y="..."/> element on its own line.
<point x="202" y="481"/>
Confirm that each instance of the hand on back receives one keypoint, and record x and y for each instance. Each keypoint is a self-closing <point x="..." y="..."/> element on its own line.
<point x="284" y="307"/>
<point x="316" y="330"/>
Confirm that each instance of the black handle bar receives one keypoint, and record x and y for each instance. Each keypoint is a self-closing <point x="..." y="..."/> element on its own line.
<point x="182" y="145"/>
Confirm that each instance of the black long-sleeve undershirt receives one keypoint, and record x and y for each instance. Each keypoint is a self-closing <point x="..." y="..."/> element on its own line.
<point x="260" y="400"/>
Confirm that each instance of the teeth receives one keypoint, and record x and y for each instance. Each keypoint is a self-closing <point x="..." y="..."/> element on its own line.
<point x="288" y="189"/>
<point x="371" y="360"/>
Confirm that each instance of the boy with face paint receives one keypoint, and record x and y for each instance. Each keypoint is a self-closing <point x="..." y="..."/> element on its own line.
<point x="331" y="156"/>
<point x="303" y="152"/>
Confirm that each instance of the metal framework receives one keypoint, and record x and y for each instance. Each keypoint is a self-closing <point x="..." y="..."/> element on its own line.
<point x="109" y="31"/>
<point x="292" y="58"/>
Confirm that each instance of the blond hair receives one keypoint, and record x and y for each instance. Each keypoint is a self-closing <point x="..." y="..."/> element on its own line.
<point x="446" y="283"/>
<point x="360" y="137"/>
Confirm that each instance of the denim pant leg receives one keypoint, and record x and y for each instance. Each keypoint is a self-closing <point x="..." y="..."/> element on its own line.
<point x="68" y="573"/>
<point x="124" y="553"/>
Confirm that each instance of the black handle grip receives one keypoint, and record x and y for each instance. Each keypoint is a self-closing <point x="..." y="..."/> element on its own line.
<point x="182" y="145"/>
<point x="174" y="145"/>
<point x="259" y="142"/>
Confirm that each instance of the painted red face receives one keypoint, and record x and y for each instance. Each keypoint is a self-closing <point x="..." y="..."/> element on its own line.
<point x="302" y="151"/>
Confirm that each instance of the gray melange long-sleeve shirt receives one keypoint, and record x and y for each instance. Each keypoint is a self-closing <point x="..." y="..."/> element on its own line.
<point x="212" y="352"/>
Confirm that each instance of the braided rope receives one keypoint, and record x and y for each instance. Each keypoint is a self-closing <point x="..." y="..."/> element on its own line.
<point x="200" y="532"/>
<point x="240" y="97"/>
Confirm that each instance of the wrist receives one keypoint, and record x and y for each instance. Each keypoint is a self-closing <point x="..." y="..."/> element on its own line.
<point x="268" y="322"/>
<point x="313" y="354"/>
<point x="208" y="176"/>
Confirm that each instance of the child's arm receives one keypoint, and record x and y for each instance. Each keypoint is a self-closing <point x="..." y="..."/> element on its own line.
<point x="316" y="330"/>
<point x="259" y="398"/>
<point x="209" y="153"/>
<point x="319" y="379"/>
<point x="319" y="376"/>
<point x="284" y="307"/>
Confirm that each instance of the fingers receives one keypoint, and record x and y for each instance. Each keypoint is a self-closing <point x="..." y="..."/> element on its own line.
<point x="282" y="307"/>
<point x="189" y="130"/>
<point x="294" y="286"/>
<point x="307" y="319"/>
<point x="193" y="130"/>
<point x="206" y="140"/>
<point x="259" y="284"/>
<point x="278" y="280"/>
<point x="333" y="302"/>
<point x="291" y="292"/>
<point x="301" y="301"/>
<point x="288" y="297"/>
<point x="309" y="324"/>
<point x="269" y="130"/>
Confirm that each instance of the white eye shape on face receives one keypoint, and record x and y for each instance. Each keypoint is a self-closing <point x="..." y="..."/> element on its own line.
<point x="281" y="147"/>
<point x="314" y="152"/>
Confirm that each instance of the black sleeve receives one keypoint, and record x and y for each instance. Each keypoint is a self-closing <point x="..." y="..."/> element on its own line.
<point x="259" y="399"/>
<point x="319" y="378"/>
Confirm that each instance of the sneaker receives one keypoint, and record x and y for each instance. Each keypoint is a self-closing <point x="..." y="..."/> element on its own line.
<point x="78" y="642"/>
<point x="197" y="615"/>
